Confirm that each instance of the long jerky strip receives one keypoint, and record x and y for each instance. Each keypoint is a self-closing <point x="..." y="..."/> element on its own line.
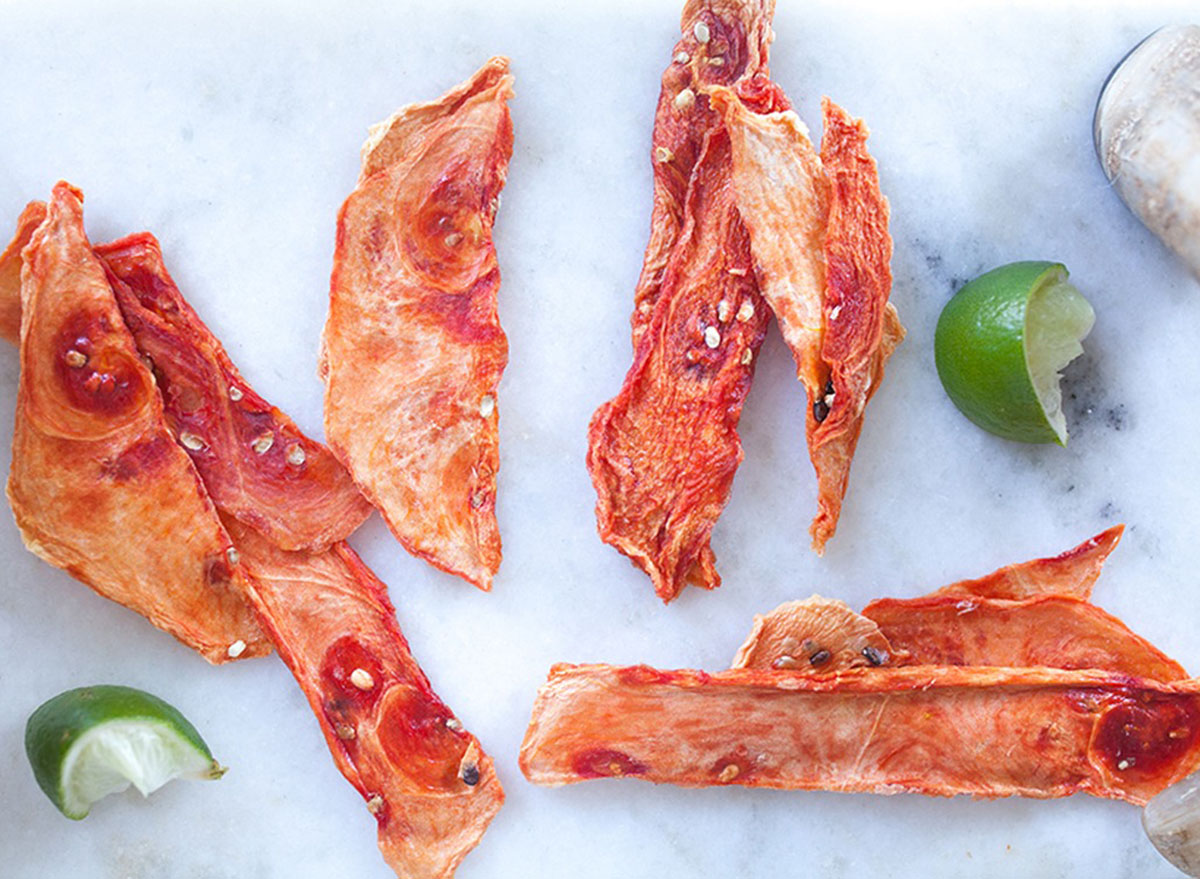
<point x="662" y="454"/>
<point x="412" y="350"/>
<point x="425" y="779"/>
<point x="1053" y="629"/>
<point x="819" y="232"/>
<point x="987" y="732"/>
<point x="98" y="486"/>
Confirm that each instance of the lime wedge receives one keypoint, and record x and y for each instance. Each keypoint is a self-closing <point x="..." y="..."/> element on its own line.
<point x="90" y="742"/>
<point x="1001" y="344"/>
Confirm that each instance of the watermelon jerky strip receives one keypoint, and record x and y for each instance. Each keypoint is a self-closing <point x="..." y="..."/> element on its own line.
<point x="412" y="349"/>
<point x="98" y="486"/>
<point x="662" y="454"/>
<point x="1049" y="631"/>
<point x="819" y="234"/>
<point x="256" y="464"/>
<point x="425" y="779"/>
<point x="664" y="451"/>
<point x="1054" y="629"/>
<point x="988" y="732"/>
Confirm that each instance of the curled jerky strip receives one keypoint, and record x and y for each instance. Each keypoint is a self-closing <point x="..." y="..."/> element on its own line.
<point x="1049" y="631"/>
<point x="256" y="464"/>
<point x="819" y="233"/>
<point x="1053" y="628"/>
<point x="425" y="779"/>
<point x="662" y="454"/>
<point x="988" y="732"/>
<point x="98" y="485"/>
<point x="412" y="350"/>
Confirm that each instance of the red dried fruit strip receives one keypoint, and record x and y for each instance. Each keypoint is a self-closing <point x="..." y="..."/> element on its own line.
<point x="413" y="350"/>
<point x="98" y="485"/>
<point x="662" y="454"/>
<point x="988" y="732"/>
<point x="819" y="232"/>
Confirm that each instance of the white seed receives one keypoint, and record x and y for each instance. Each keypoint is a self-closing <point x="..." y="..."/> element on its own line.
<point x="662" y="154"/>
<point x="701" y="32"/>
<point x="454" y="724"/>
<point x="345" y="732"/>
<point x="747" y="356"/>
<point x="682" y="57"/>
<point x="729" y="773"/>
<point x="834" y="312"/>
<point x="737" y="272"/>
<point x="712" y="337"/>
<point x="746" y="311"/>
<point x="454" y="239"/>
<point x="375" y="804"/>
<point x="191" y="441"/>
<point x="296" y="455"/>
<point x="829" y="398"/>
<point x="724" y="309"/>
<point x="263" y="444"/>
<point x="75" y="359"/>
<point x="685" y="100"/>
<point x="233" y="555"/>
<point x="716" y="61"/>
<point x="236" y="649"/>
<point x="235" y="393"/>
<point x="1123" y="765"/>
<point x="487" y="405"/>
<point x="362" y="679"/>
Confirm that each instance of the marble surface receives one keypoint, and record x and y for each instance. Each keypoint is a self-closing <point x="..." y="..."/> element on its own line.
<point x="232" y="132"/>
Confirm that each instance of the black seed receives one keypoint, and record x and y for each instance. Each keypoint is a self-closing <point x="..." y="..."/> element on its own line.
<point x="820" y="657"/>
<point x="470" y="774"/>
<point x="875" y="657"/>
<point x="820" y="407"/>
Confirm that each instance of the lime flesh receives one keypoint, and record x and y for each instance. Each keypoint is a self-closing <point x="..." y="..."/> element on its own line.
<point x="87" y="743"/>
<point x="1001" y="344"/>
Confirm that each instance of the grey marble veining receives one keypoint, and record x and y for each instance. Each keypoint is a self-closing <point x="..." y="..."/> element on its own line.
<point x="232" y="132"/>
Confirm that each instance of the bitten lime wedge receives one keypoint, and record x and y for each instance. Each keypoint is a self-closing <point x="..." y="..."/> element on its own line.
<point x="87" y="743"/>
<point x="1002" y="342"/>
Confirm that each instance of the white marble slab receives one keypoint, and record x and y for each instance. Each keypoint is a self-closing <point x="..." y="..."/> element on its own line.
<point x="232" y="131"/>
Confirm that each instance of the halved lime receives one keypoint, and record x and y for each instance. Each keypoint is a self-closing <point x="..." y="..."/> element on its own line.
<point x="1001" y="344"/>
<point x="90" y="742"/>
